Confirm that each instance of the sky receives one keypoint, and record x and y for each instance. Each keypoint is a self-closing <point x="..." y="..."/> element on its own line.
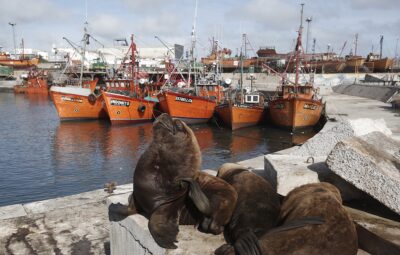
<point x="43" y="23"/>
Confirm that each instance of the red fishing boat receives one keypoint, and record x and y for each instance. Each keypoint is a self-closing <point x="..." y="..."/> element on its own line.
<point x="295" y="106"/>
<point x="190" y="108"/>
<point x="81" y="99"/>
<point x="129" y="100"/>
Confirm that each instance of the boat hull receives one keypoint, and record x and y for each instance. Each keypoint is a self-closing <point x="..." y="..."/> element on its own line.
<point x="191" y="109"/>
<point x="295" y="113"/>
<point x="123" y="109"/>
<point x="17" y="63"/>
<point x="37" y="86"/>
<point x="76" y="106"/>
<point x="237" y="117"/>
<point x="382" y="65"/>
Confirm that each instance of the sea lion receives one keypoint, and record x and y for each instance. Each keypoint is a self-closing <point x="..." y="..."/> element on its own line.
<point x="257" y="208"/>
<point x="163" y="179"/>
<point x="335" y="234"/>
<point x="222" y="198"/>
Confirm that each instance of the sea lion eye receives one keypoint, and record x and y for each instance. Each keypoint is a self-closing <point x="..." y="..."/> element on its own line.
<point x="178" y="125"/>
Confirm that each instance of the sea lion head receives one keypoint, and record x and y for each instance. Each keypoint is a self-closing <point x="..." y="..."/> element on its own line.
<point x="165" y="127"/>
<point x="229" y="168"/>
<point x="174" y="136"/>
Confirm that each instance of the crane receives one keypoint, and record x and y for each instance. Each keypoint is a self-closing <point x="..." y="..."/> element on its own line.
<point x="341" y="51"/>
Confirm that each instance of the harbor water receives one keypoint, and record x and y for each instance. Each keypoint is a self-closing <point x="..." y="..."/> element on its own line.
<point x="42" y="158"/>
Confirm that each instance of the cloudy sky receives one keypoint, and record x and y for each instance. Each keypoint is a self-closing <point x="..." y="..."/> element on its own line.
<point x="43" y="23"/>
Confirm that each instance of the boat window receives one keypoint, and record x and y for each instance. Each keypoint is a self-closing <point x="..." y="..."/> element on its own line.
<point x="116" y="85"/>
<point x="122" y="84"/>
<point x="107" y="84"/>
<point x="252" y="99"/>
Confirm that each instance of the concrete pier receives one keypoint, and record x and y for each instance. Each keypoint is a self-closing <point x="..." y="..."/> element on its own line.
<point x="79" y="224"/>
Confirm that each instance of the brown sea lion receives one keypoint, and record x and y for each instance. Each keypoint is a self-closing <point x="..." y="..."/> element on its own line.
<point x="222" y="198"/>
<point x="336" y="234"/>
<point x="257" y="208"/>
<point x="163" y="179"/>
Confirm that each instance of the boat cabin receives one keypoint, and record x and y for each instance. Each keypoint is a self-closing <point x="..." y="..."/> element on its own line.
<point x="252" y="98"/>
<point x="301" y="91"/>
<point x="211" y="91"/>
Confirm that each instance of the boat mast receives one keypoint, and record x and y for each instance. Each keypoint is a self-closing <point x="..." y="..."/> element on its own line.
<point x="241" y="66"/>
<point x="193" y="46"/>
<point x="133" y="74"/>
<point x="85" y="42"/>
<point x="298" y="46"/>
<point x="380" y="44"/>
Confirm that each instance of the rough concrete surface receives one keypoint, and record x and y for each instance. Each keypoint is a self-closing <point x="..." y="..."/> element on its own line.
<point x="75" y="224"/>
<point x="376" y="92"/>
<point x="132" y="236"/>
<point x="372" y="164"/>
<point x="342" y="107"/>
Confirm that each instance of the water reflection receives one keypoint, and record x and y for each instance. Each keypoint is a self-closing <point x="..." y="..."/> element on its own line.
<point x="41" y="157"/>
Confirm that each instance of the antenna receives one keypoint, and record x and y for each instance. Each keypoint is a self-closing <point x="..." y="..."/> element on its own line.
<point x="193" y="46"/>
<point x="298" y="46"/>
<point x="308" y="20"/>
<point x="13" y="30"/>
<point x="86" y="10"/>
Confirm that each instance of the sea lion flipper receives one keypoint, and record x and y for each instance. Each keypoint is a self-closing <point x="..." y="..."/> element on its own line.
<point x="163" y="226"/>
<point x="198" y="197"/>
<point x="247" y="244"/>
<point x="225" y="249"/>
<point x="374" y="244"/>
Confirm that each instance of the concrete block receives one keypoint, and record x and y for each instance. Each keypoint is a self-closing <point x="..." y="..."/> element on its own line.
<point x="372" y="164"/>
<point x="286" y="172"/>
<point x="333" y="132"/>
<point x="12" y="211"/>
<point x="132" y="236"/>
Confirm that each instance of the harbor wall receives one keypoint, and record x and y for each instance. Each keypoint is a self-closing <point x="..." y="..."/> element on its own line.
<point x="376" y="92"/>
<point x="269" y="82"/>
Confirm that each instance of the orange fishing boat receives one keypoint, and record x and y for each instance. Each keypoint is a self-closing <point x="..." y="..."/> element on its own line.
<point x="6" y="60"/>
<point x="192" y="105"/>
<point x="129" y="101"/>
<point x="240" y="109"/>
<point x="295" y="106"/>
<point x="37" y="84"/>
<point x="77" y="103"/>
<point x="82" y="100"/>
<point x="240" y="115"/>
<point x="189" y="108"/>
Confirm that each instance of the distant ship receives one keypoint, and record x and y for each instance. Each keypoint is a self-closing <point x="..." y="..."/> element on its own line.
<point x="378" y="64"/>
<point x="6" y="60"/>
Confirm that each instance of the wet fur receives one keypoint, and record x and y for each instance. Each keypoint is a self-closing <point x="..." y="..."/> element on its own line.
<point x="337" y="235"/>
<point x="222" y="198"/>
<point x="162" y="179"/>
<point x="257" y="208"/>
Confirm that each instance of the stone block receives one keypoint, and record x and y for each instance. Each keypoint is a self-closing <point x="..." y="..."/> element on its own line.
<point x="286" y="172"/>
<point x="132" y="236"/>
<point x="372" y="164"/>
